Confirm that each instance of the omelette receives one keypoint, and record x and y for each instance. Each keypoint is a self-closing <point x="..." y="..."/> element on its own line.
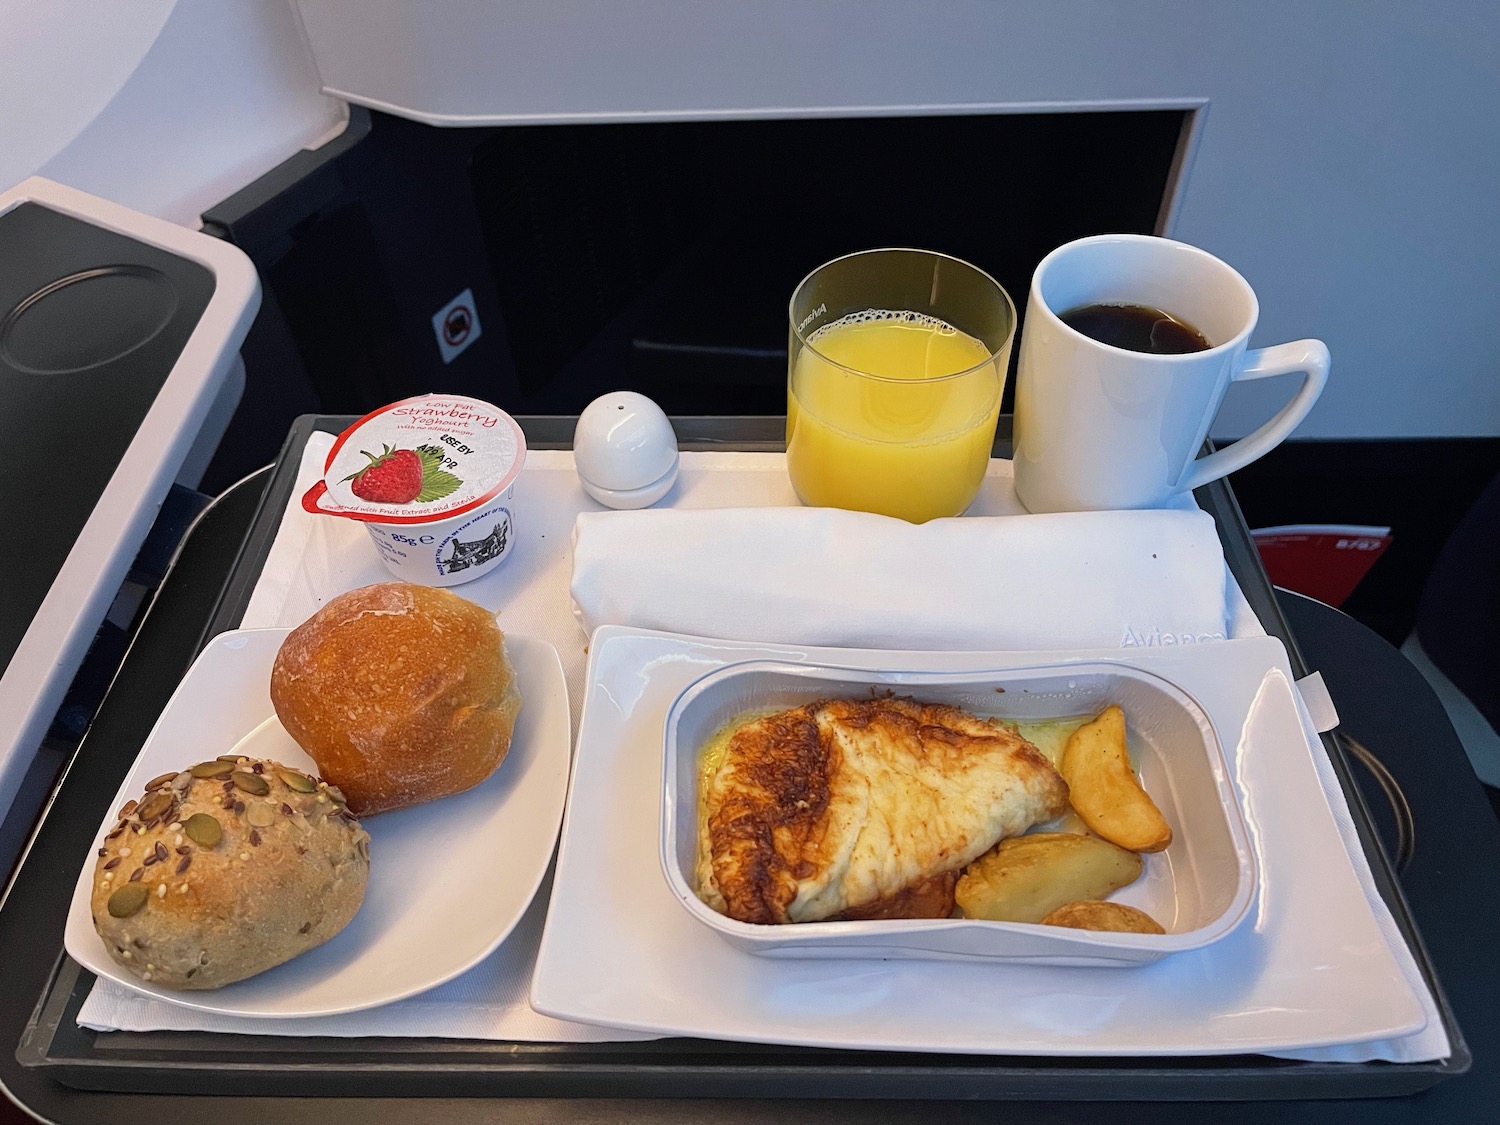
<point x="862" y="808"/>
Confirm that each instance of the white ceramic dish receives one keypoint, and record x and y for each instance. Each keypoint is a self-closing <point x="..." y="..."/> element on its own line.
<point x="413" y="931"/>
<point x="1309" y="969"/>
<point x="1200" y="888"/>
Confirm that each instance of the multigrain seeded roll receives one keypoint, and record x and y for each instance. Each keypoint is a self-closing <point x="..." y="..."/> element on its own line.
<point x="400" y="693"/>
<point x="225" y="870"/>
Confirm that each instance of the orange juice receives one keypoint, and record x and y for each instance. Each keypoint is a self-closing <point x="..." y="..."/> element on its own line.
<point x="901" y="420"/>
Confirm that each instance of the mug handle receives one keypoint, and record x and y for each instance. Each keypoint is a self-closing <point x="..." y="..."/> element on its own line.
<point x="1310" y="357"/>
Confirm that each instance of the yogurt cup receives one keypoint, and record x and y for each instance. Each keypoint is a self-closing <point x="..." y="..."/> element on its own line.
<point x="432" y="479"/>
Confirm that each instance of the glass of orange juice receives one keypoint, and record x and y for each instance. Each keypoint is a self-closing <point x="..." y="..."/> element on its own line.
<point x="896" y="364"/>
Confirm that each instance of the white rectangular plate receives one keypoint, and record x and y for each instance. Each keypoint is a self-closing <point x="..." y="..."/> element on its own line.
<point x="1312" y="969"/>
<point x="420" y="924"/>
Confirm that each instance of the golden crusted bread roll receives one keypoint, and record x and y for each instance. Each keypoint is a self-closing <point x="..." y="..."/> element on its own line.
<point x="225" y="870"/>
<point x="400" y="693"/>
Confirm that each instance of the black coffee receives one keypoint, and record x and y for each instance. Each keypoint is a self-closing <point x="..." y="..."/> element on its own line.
<point x="1137" y="328"/>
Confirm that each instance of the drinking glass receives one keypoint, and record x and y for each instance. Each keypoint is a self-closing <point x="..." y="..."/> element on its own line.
<point x="896" y="363"/>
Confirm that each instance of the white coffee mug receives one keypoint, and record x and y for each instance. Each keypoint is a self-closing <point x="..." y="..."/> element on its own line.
<point x="1100" y="427"/>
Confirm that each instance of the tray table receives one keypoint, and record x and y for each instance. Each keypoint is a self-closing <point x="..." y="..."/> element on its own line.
<point x="206" y="594"/>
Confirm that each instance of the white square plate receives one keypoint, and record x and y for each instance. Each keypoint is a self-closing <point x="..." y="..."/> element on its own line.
<point x="1310" y="968"/>
<point x="413" y="931"/>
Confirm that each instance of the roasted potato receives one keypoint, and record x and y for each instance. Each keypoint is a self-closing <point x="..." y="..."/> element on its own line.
<point x="1114" y="917"/>
<point x="1025" y="878"/>
<point x="1105" y="790"/>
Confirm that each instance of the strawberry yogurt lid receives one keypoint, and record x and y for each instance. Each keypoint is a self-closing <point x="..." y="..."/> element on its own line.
<point x="419" y="460"/>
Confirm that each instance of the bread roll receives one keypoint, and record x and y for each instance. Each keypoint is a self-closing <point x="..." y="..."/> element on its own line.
<point x="226" y="869"/>
<point x="400" y="693"/>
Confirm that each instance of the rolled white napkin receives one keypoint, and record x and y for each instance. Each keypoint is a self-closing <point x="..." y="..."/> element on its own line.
<point x="822" y="576"/>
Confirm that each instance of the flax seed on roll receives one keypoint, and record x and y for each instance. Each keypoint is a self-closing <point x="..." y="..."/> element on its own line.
<point x="400" y="693"/>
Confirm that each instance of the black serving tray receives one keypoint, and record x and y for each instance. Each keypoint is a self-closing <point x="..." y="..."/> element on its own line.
<point x="341" y="1078"/>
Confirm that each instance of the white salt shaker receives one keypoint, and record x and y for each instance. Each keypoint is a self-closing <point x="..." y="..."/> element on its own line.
<point x="625" y="450"/>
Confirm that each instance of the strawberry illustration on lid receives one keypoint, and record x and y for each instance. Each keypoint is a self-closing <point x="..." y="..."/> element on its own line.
<point x="399" y="476"/>
<point x="395" y="477"/>
<point x="420" y="460"/>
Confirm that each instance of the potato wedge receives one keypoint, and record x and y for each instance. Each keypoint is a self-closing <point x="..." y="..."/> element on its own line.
<point x="1111" y="917"/>
<point x="1025" y="878"/>
<point x="1105" y="790"/>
